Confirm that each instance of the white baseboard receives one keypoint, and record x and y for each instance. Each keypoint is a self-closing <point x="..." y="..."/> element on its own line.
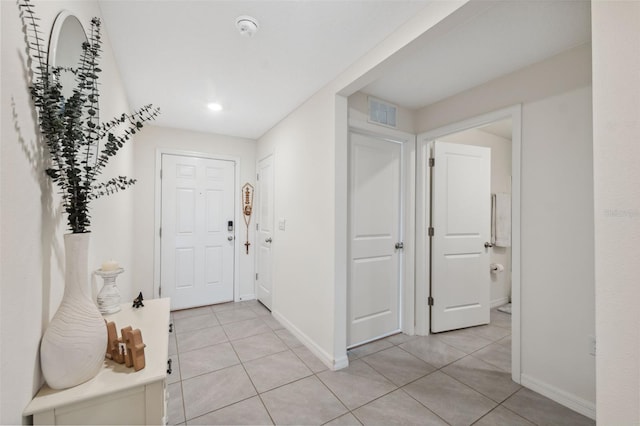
<point x="327" y="359"/>
<point x="499" y="302"/>
<point x="244" y="297"/>
<point x="582" y="406"/>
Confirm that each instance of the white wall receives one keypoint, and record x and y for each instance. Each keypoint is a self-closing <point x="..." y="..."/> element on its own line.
<point x="310" y="154"/>
<point x="500" y="182"/>
<point x="616" y="116"/>
<point x="146" y="147"/>
<point x="563" y="72"/>
<point x="302" y="272"/>
<point x="558" y="305"/>
<point x="32" y="224"/>
<point x="557" y="277"/>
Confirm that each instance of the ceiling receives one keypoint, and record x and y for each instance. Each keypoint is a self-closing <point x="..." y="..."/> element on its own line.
<point x="182" y="55"/>
<point x="505" y="37"/>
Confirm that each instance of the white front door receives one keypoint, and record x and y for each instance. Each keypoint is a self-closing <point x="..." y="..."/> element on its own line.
<point x="197" y="233"/>
<point x="375" y="184"/>
<point x="461" y="203"/>
<point x="265" y="229"/>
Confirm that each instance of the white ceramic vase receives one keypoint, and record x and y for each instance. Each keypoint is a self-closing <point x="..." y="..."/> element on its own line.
<point x="73" y="346"/>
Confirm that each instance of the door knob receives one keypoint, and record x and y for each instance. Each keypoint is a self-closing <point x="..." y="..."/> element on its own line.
<point x="230" y="238"/>
<point x="268" y="240"/>
<point x="487" y="245"/>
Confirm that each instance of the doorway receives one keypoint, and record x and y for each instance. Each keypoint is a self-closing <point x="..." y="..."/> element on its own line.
<point x="423" y="212"/>
<point x="265" y="231"/>
<point x="196" y="215"/>
<point x="380" y="286"/>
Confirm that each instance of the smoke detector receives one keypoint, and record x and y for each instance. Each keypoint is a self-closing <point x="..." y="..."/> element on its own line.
<point x="247" y="25"/>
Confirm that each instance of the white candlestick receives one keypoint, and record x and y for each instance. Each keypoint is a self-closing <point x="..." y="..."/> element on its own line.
<point x="109" y="296"/>
<point x="110" y="265"/>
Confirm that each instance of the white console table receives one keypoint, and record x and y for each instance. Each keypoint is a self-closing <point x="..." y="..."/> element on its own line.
<point x="117" y="395"/>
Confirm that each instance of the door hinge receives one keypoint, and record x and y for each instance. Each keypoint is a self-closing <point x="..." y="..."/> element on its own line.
<point x="431" y="231"/>
<point x="160" y="232"/>
<point x="256" y="276"/>
<point x="432" y="162"/>
<point x="160" y="291"/>
<point x="160" y="173"/>
<point x="258" y="176"/>
<point x="257" y="227"/>
<point x="430" y="301"/>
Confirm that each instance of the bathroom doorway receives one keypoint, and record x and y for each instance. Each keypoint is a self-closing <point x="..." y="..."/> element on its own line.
<point x="499" y="131"/>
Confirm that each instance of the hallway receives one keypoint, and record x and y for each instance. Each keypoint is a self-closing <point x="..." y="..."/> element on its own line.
<point x="235" y="364"/>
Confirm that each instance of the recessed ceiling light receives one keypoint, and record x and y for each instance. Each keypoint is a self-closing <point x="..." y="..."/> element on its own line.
<point x="214" y="106"/>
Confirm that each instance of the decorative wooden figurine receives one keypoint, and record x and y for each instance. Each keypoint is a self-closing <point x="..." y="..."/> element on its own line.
<point x="113" y="344"/>
<point x="137" y="302"/>
<point x="126" y="356"/>
<point x="135" y="349"/>
<point x="128" y="349"/>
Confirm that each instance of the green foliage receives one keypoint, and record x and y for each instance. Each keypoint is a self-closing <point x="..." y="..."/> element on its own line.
<point x="71" y="127"/>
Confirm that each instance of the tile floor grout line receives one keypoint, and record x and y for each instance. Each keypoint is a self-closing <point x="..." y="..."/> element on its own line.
<point x="273" y="422"/>
<point x="417" y="357"/>
<point x="175" y="336"/>
<point x="220" y="408"/>
<point x="468" y="353"/>
<point x="440" y="370"/>
<point x="184" y="405"/>
<point x="341" y="415"/>
<point x="233" y="365"/>
<point x="473" y="389"/>
<point x="516" y="413"/>
<point x="245" y="370"/>
<point x="400" y="386"/>
<point x="479" y="391"/>
<point x="419" y="402"/>
<point x="361" y="357"/>
<point x="486" y="414"/>
<point x="490" y="363"/>
<point x="332" y="392"/>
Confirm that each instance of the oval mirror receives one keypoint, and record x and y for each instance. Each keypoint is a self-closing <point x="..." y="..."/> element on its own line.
<point x="65" y="47"/>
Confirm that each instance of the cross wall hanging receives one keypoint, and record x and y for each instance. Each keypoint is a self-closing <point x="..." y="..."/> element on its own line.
<point x="247" y="209"/>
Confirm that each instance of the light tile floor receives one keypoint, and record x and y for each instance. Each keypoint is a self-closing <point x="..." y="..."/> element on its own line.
<point x="234" y="364"/>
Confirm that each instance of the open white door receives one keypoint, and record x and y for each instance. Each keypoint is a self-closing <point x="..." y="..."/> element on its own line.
<point x="265" y="229"/>
<point x="461" y="204"/>
<point x="375" y="182"/>
<point x="198" y="237"/>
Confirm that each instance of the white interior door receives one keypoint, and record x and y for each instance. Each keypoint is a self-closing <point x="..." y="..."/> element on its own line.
<point x="374" y="230"/>
<point x="197" y="234"/>
<point x="265" y="229"/>
<point x="461" y="203"/>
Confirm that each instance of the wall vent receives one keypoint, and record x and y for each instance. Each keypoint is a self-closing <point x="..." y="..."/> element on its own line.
<point x="381" y="112"/>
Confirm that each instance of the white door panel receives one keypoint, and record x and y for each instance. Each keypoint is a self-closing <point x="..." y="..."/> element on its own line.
<point x="375" y="211"/>
<point x="265" y="230"/>
<point x="197" y="249"/>
<point x="461" y="205"/>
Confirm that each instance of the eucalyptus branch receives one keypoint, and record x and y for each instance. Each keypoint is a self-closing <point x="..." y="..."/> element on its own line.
<point x="111" y="186"/>
<point x="71" y="128"/>
<point x="115" y="142"/>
